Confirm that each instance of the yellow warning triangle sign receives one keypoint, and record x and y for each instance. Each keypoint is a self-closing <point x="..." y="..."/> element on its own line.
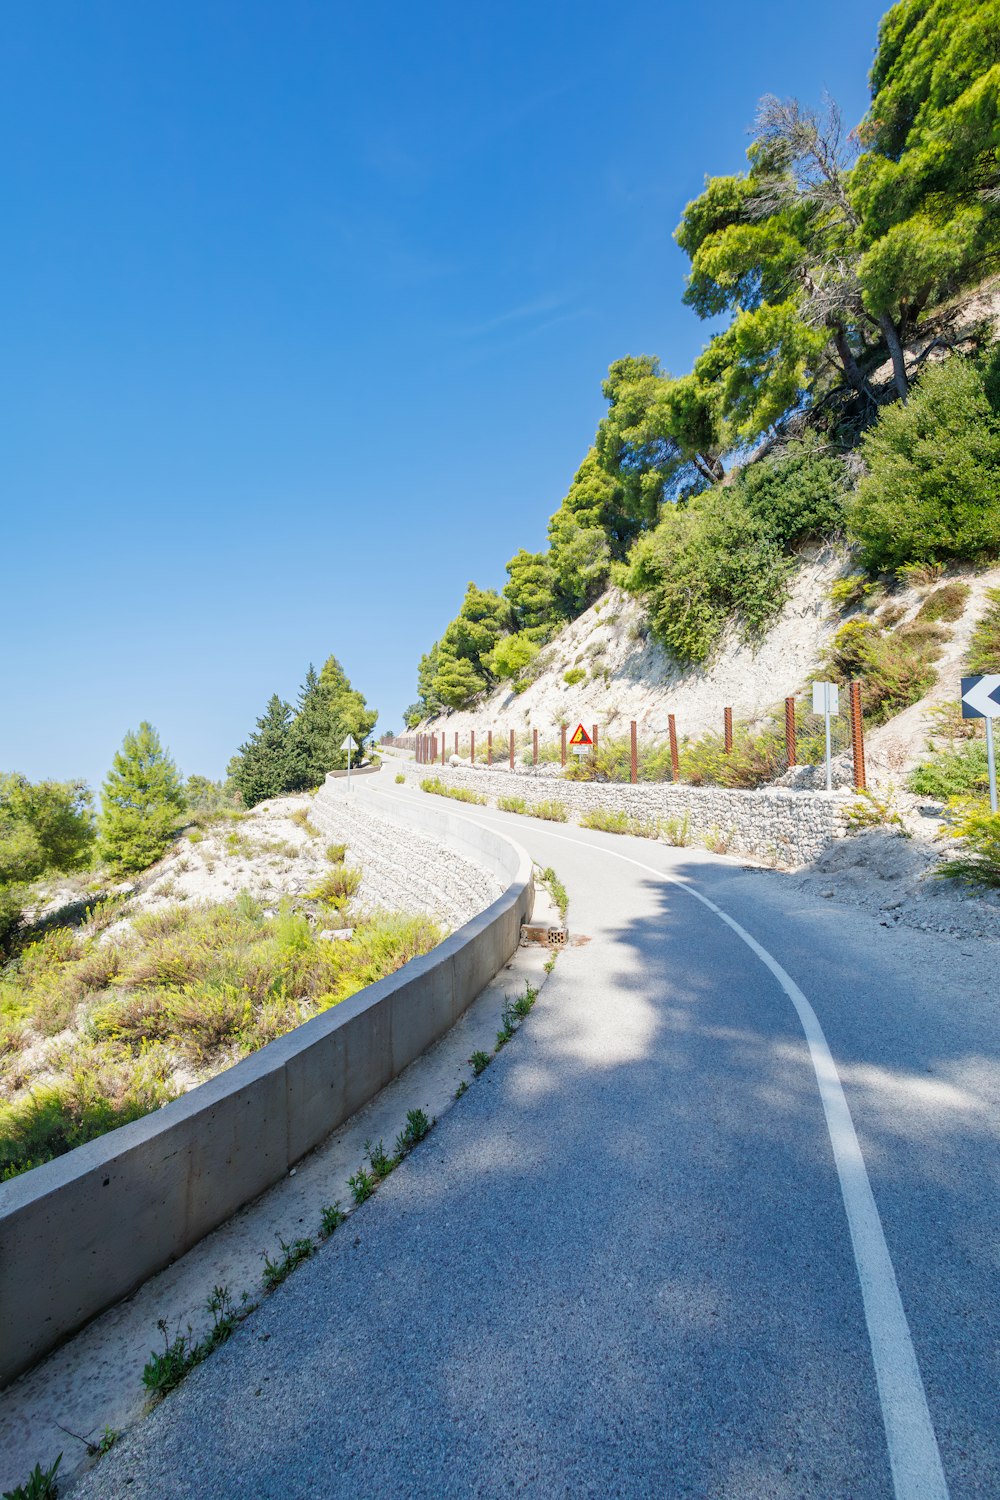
<point x="580" y="736"/>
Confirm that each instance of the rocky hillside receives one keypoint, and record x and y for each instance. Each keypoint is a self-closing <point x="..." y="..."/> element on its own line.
<point x="605" y="668"/>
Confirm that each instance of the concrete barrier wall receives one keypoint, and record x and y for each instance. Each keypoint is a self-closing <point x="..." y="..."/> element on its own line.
<point x="81" y="1232"/>
<point x="787" y="828"/>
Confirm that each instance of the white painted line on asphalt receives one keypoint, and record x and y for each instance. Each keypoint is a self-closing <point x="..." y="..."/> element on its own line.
<point x="917" y="1473"/>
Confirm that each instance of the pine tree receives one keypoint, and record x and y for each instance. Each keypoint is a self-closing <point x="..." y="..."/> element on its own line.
<point x="267" y="766"/>
<point x="141" y="801"/>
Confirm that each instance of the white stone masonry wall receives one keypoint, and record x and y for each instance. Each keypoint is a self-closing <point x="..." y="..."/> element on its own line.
<point x="789" y="828"/>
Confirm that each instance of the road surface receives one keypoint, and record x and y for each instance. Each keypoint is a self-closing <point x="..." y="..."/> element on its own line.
<point x="638" y="1258"/>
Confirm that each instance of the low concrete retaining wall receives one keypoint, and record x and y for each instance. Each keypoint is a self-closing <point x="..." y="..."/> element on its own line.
<point x="787" y="827"/>
<point x="81" y="1232"/>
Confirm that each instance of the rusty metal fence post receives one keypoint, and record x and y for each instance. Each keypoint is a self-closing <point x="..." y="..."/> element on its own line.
<point x="456" y="741"/>
<point x="489" y="747"/>
<point x="675" y="764"/>
<point x="634" y="768"/>
<point x="594" y="751"/>
<point x="443" y="750"/>
<point x="858" y="738"/>
<point x="791" y="746"/>
<point x="472" y="747"/>
<point x="534" y="747"/>
<point x="727" y="729"/>
<point x="562" y="747"/>
<point x="512" y="749"/>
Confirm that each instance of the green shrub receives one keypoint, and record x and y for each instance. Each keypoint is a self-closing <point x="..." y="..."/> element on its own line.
<point x="707" y="561"/>
<point x="978" y="860"/>
<point x="141" y="802"/>
<point x="612" y="820"/>
<point x="961" y="772"/>
<point x="755" y="759"/>
<point x="932" y="487"/>
<point x="337" y="886"/>
<point x="335" y="853"/>
<point x="851" y="590"/>
<point x="435" y="785"/>
<point x="798" y="491"/>
<point x="984" y="647"/>
<point x="399" y="778"/>
<point x="512" y="804"/>
<point x="551" y="811"/>
<point x="574" y="675"/>
<point x="677" y="831"/>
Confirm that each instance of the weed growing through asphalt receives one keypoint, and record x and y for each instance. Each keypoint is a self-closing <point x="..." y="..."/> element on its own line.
<point x="277" y="1271"/>
<point x="163" y="1372"/>
<point x="362" y="1186"/>
<point x="462" y="1088"/>
<point x="556" y="890"/>
<point x="331" y="1217"/>
<point x="381" y="1164"/>
<point x="400" y="779"/>
<point x="480" y="1061"/>
<point x="416" y="1127"/>
<point x="40" y="1484"/>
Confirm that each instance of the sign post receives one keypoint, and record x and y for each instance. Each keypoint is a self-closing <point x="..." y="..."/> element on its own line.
<point x="349" y="745"/>
<point x="981" y="700"/>
<point x="826" y="701"/>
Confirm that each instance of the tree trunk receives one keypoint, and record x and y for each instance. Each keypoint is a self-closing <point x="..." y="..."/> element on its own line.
<point x="852" y="372"/>
<point x="709" y="468"/>
<point x="892" y="338"/>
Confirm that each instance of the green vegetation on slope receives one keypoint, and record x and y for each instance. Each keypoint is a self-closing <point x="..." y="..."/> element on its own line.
<point x="119" y="1024"/>
<point x="822" y="258"/>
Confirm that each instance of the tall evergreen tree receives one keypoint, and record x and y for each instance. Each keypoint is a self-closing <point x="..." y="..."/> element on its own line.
<point x="265" y="767"/>
<point x="141" y="802"/>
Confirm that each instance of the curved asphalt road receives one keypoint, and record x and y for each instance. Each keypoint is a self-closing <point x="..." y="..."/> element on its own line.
<point x="622" y="1266"/>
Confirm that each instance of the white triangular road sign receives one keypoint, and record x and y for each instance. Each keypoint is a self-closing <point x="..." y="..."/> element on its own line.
<point x="349" y="743"/>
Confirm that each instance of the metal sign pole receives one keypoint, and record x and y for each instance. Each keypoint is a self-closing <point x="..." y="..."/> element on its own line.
<point x="991" y="761"/>
<point x="829" y="747"/>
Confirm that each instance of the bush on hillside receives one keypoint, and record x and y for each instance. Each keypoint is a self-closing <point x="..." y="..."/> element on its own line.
<point x="797" y="492"/>
<point x="895" y="668"/>
<point x="706" y="561"/>
<point x="960" y="772"/>
<point x="932" y="487"/>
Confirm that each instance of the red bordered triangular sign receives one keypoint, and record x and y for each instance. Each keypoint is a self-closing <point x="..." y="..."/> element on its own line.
<point x="580" y="736"/>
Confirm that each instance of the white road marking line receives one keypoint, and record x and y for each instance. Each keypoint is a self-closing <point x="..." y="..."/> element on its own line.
<point x="917" y="1473"/>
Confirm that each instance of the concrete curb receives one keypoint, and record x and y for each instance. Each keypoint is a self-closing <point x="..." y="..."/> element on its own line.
<point x="79" y="1233"/>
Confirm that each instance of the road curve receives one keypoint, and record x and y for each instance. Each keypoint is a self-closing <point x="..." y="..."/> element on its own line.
<point x="626" y="1264"/>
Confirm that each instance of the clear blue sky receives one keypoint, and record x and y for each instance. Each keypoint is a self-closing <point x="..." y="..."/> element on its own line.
<point x="306" y="308"/>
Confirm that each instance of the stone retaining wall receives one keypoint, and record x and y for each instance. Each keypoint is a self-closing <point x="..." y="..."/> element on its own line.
<point x="789" y="828"/>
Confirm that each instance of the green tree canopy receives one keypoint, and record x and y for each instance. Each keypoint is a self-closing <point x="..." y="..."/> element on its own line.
<point x="530" y="592"/>
<point x="142" y="801"/>
<point x="932" y="488"/>
<point x="266" y="765"/>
